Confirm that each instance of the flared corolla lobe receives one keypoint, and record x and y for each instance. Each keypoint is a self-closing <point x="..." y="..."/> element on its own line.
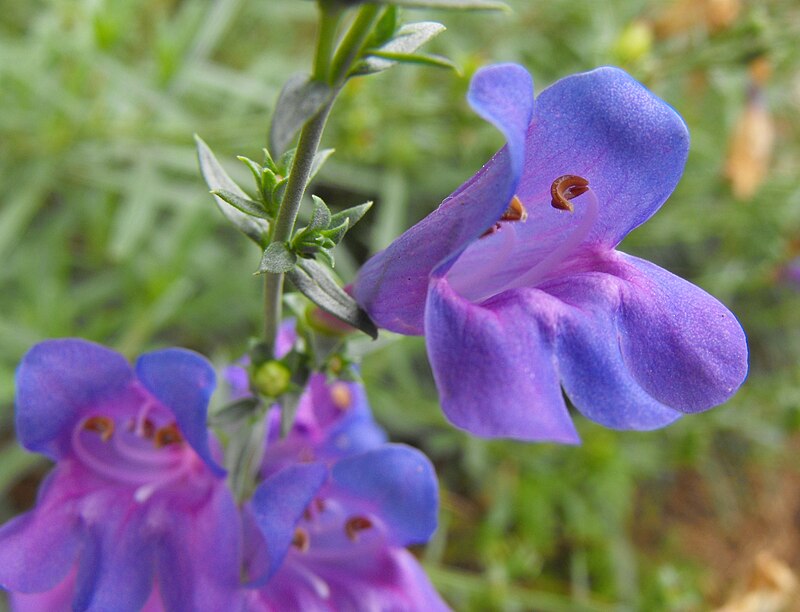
<point x="136" y="507"/>
<point x="518" y="288"/>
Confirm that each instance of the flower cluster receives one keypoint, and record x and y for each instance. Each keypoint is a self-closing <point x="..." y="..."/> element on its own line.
<point x="137" y="514"/>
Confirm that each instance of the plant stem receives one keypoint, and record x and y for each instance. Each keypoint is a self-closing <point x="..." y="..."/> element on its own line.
<point x="353" y="42"/>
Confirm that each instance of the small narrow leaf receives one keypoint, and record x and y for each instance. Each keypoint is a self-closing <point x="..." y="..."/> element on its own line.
<point x="335" y="234"/>
<point x="386" y="27"/>
<point x="277" y="259"/>
<point x="409" y="38"/>
<point x="352" y="215"/>
<point x="299" y="100"/>
<point x="320" y="215"/>
<point x="235" y="412"/>
<point x="255" y="168"/>
<point x="246" y="205"/>
<point x="217" y="179"/>
<point x="425" y="59"/>
<point x="313" y="280"/>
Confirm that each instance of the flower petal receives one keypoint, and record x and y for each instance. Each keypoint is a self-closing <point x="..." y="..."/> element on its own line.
<point x="183" y="381"/>
<point x="392" y="285"/>
<point x="682" y="345"/>
<point x="395" y="483"/>
<point x="278" y="505"/>
<point x="199" y="559"/>
<point x="38" y="548"/>
<point x="494" y="366"/>
<point x="606" y="127"/>
<point x="56" y="382"/>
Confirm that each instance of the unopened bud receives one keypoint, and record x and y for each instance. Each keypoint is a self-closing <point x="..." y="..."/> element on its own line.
<point x="272" y="378"/>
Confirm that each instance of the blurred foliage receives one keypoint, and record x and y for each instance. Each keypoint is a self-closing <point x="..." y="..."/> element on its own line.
<point x="106" y="232"/>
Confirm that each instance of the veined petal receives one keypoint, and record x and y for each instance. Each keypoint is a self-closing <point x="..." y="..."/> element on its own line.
<point x="607" y="128"/>
<point x="38" y="548"/>
<point x="396" y="484"/>
<point x="199" y="557"/>
<point x="494" y="366"/>
<point x="682" y="345"/>
<point x="183" y="381"/>
<point x="393" y="284"/>
<point x="278" y="505"/>
<point x="595" y="375"/>
<point x="56" y="382"/>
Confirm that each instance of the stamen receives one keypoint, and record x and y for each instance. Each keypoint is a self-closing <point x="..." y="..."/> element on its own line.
<point x="566" y="187"/>
<point x="341" y="396"/>
<point x="356" y="524"/>
<point x="170" y="434"/>
<point x="515" y="211"/>
<point x="102" y="425"/>
<point x="301" y="541"/>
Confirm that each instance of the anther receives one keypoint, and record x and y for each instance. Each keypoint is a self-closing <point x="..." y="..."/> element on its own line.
<point x="102" y="425"/>
<point x="169" y="434"/>
<point x="356" y="524"/>
<point x="565" y="188"/>
<point x="341" y="396"/>
<point x="515" y="211"/>
<point x="301" y="541"/>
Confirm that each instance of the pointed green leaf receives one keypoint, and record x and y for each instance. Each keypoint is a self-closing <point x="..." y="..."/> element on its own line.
<point x="255" y="168"/>
<point x="246" y="205"/>
<point x="386" y="27"/>
<point x="314" y="281"/>
<point x="335" y="234"/>
<point x="320" y="215"/>
<point x="299" y="100"/>
<point x="353" y="215"/>
<point x="464" y="5"/>
<point x="409" y="38"/>
<point x="277" y="259"/>
<point x="216" y="178"/>
<point x="425" y="59"/>
<point x="319" y="159"/>
<point x="235" y="412"/>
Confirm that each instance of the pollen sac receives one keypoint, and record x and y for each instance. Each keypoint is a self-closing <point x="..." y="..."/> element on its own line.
<point x="102" y="425"/>
<point x="565" y="188"/>
<point x="355" y="525"/>
<point x="170" y="434"/>
<point x="515" y="211"/>
<point x="341" y="396"/>
<point x="301" y="541"/>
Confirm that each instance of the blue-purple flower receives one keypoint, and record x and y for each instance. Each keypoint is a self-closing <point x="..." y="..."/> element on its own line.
<point x="518" y="288"/>
<point x="136" y="512"/>
<point x="327" y="528"/>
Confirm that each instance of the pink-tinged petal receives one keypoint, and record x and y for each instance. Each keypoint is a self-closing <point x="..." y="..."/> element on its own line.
<point x="183" y="381"/>
<point x="392" y="285"/>
<point x="606" y="127"/>
<point x="494" y="366"/>
<point x="595" y="375"/>
<point x="681" y="344"/>
<point x="57" y="598"/>
<point x="279" y="503"/>
<point x="397" y="485"/>
<point x="57" y="382"/>
<point x="38" y="548"/>
<point x="199" y="557"/>
<point x="116" y="565"/>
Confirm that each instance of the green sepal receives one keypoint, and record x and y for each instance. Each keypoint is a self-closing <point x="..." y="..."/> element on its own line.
<point x="314" y="281"/>
<point x="217" y="179"/>
<point x="246" y="205"/>
<point x="300" y="99"/>
<point x="278" y="258"/>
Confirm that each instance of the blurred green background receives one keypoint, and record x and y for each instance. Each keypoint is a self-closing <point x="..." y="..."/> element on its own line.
<point x="107" y="232"/>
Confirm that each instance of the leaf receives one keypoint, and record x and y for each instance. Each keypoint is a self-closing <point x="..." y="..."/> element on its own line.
<point x="313" y="280"/>
<point x="277" y="259"/>
<point x="352" y="215"/>
<point x="235" y="412"/>
<point x="409" y="38"/>
<point x="299" y="100"/>
<point x="464" y="5"/>
<point x="426" y="59"/>
<point x="246" y="205"/>
<point x="386" y="27"/>
<point x="319" y="159"/>
<point x="217" y="179"/>
<point x="320" y="215"/>
<point x="255" y="168"/>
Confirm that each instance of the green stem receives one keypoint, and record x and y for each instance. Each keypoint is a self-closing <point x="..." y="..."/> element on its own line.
<point x="353" y="42"/>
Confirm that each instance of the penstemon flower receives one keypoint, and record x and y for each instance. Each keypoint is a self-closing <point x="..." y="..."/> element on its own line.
<point x="516" y="283"/>
<point x="327" y="528"/>
<point x="136" y="512"/>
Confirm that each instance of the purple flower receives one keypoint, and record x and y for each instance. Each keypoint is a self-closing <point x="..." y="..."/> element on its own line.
<point x="327" y="529"/>
<point x="518" y="288"/>
<point x="136" y="511"/>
